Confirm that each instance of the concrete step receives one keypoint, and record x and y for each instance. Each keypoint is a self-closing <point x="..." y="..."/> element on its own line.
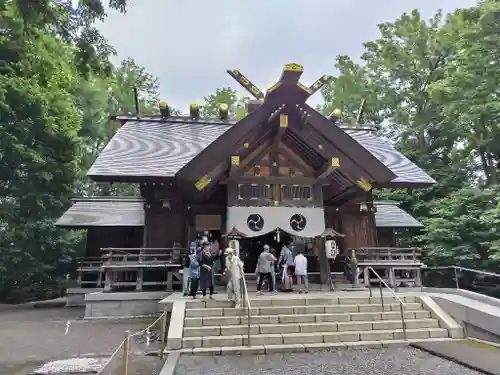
<point x="312" y="337"/>
<point x="297" y="300"/>
<point x="300" y="348"/>
<point x="300" y="309"/>
<point x="257" y="329"/>
<point x="305" y="318"/>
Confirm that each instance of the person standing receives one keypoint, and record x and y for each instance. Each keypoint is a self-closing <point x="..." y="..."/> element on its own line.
<point x="300" y="263"/>
<point x="264" y="264"/>
<point x="286" y="261"/>
<point x="194" y="270"/>
<point x="273" y="270"/>
<point x="186" y="273"/>
<point x="206" y="270"/>
<point x="233" y="273"/>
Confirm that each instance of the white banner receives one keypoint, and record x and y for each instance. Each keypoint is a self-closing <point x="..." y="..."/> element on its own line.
<point x="257" y="221"/>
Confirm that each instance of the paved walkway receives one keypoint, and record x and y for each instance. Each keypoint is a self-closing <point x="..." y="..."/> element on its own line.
<point x="388" y="361"/>
<point x="32" y="337"/>
<point x="470" y="353"/>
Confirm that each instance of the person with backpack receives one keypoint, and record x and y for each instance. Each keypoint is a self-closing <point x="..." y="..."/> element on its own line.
<point x="194" y="268"/>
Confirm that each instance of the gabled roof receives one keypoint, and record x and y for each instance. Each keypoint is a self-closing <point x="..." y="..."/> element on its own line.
<point x="154" y="148"/>
<point x="152" y="138"/>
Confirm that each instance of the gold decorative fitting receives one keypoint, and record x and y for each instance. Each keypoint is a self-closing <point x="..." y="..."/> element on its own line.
<point x="306" y="89"/>
<point x="283" y="121"/>
<point x="273" y="87"/>
<point x="276" y="203"/>
<point x="293" y="67"/>
<point x="194" y="110"/>
<point x="364" y="184"/>
<point x="246" y="145"/>
<point x="337" y="112"/>
<point x="275" y="164"/>
<point x="335" y="162"/>
<point x="320" y="147"/>
<point x="223" y="111"/>
<point x="203" y="182"/>
<point x="235" y="160"/>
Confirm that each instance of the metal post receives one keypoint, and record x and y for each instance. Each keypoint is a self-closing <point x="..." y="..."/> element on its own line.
<point x="370" y="288"/>
<point x="126" y="345"/>
<point x="403" y="320"/>
<point x="456" y="277"/>
<point x="381" y="296"/>
<point x="249" y="323"/>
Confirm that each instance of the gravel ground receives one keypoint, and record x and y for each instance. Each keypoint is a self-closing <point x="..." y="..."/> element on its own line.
<point x="390" y="361"/>
<point x="29" y="338"/>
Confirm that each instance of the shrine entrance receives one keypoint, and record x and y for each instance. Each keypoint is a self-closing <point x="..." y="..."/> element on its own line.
<point x="251" y="247"/>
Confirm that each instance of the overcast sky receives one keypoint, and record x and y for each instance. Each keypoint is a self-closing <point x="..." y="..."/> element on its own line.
<point x="189" y="44"/>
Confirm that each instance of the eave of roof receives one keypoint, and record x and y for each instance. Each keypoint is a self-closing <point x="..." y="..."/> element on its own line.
<point x="389" y="215"/>
<point x="103" y="212"/>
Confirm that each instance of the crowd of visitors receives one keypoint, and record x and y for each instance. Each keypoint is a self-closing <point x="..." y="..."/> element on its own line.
<point x="198" y="273"/>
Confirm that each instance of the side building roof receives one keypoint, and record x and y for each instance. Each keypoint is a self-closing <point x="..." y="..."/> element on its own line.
<point x="155" y="148"/>
<point x="129" y="212"/>
<point x="103" y="212"/>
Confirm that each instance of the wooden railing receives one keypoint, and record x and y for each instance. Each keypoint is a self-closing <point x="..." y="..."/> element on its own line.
<point x="125" y="267"/>
<point x="142" y="257"/>
<point x="88" y="264"/>
<point x="388" y="255"/>
<point x="398" y="265"/>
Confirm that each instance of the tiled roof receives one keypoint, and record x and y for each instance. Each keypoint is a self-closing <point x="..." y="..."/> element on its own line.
<point x="103" y="213"/>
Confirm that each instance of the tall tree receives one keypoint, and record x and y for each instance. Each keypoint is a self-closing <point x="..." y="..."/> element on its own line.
<point x="39" y="155"/>
<point x="468" y="86"/>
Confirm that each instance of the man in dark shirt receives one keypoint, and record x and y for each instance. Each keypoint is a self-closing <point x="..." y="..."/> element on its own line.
<point x="206" y="270"/>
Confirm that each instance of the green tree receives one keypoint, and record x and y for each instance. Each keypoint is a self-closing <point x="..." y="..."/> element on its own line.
<point x="468" y="87"/>
<point x="224" y="95"/>
<point x="464" y="227"/>
<point x="39" y="158"/>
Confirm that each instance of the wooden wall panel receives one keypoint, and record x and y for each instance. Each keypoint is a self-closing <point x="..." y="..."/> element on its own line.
<point x="102" y="237"/>
<point x="386" y="237"/>
<point x="359" y="230"/>
<point x="163" y="228"/>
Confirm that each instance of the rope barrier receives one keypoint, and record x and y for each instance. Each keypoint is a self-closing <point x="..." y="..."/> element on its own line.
<point x="149" y="339"/>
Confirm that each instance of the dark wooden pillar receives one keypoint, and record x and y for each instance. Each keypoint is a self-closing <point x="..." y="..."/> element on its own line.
<point x="358" y="223"/>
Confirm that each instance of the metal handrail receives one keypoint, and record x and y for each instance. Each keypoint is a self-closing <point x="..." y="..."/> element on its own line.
<point x="455" y="268"/>
<point x="246" y="301"/>
<point x="401" y="303"/>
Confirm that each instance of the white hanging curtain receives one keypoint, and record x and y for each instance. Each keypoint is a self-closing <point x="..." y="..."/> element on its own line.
<point x="307" y="222"/>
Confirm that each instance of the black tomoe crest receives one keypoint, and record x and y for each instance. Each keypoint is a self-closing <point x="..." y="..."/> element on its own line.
<point x="298" y="222"/>
<point x="255" y="222"/>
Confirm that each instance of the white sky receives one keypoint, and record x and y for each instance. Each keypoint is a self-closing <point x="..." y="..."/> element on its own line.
<point x="189" y="44"/>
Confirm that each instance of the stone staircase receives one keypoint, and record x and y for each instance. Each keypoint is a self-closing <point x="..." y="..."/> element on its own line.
<point x="304" y="322"/>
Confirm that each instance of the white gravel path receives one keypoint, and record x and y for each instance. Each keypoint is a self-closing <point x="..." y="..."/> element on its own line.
<point x="388" y="361"/>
